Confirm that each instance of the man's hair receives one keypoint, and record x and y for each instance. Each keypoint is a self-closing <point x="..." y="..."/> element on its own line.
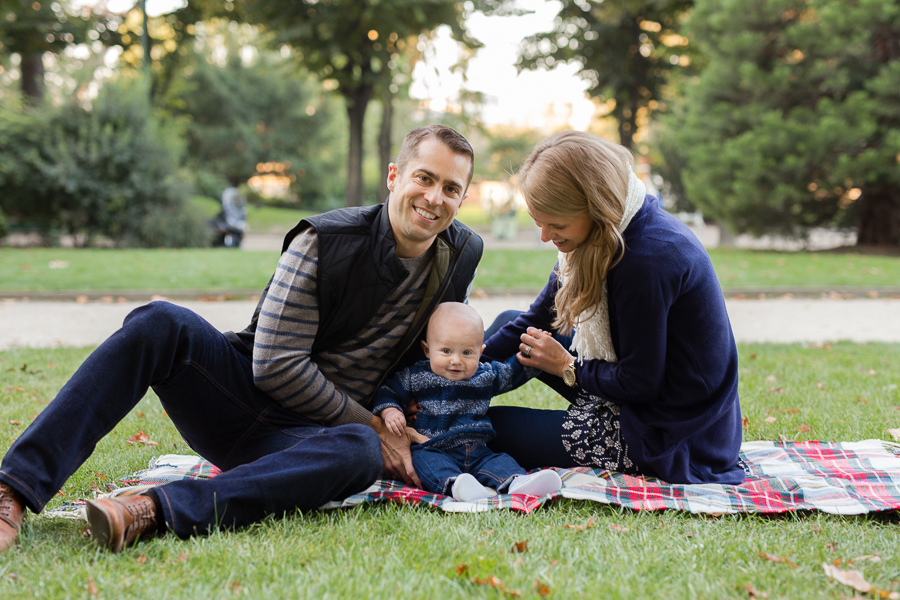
<point x="449" y="137"/>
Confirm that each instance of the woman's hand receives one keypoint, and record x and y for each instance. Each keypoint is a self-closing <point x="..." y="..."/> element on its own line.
<point x="539" y="350"/>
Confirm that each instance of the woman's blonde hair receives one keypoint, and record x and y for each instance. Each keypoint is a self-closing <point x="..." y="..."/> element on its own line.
<point x="572" y="174"/>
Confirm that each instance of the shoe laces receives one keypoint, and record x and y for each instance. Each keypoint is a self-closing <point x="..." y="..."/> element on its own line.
<point x="144" y="514"/>
<point x="6" y="504"/>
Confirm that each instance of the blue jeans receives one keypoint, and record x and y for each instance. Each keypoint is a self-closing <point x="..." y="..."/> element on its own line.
<point x="273" y="460"/>
<point x="437" y="467"/>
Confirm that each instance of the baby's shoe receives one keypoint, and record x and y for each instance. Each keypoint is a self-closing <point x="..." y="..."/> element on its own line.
<point x="466" y="489"/>
<point x="537" y="484"/>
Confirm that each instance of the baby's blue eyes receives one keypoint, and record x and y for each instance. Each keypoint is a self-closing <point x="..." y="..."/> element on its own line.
<point x="449" y="351"/>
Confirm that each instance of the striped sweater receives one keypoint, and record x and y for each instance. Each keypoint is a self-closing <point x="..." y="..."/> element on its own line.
<point x="327" y="386"/>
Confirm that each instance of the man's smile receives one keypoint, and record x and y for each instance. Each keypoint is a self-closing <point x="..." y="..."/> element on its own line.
<point x="425" y="214"/>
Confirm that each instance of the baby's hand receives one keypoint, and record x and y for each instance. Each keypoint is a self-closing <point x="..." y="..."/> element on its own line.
<point x="395" y="421"/>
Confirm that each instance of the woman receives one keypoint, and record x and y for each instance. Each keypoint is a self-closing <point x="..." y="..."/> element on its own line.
<point x="631" y="327"/>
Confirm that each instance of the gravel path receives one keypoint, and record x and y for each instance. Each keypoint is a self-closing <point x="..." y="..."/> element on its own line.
<point x="53" y="324"/>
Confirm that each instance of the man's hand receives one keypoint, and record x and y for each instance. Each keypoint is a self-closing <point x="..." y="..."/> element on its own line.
<point x="395" y="421"/>
<point x="395" y="453"/>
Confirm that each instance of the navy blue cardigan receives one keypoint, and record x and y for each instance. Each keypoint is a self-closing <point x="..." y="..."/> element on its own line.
<point x="677" y="375"/>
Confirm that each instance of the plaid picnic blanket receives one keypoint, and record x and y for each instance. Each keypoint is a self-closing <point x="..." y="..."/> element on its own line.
<point x="842" y="478"/>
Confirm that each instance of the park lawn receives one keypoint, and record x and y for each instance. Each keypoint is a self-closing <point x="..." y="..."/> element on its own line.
<point x="842" y="392"/>
<point x="221" y="269"/>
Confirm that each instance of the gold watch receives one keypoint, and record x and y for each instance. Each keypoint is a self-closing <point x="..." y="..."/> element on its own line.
<point x="569" y="375"/>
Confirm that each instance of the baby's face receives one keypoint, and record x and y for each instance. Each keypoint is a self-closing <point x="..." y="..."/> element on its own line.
<point x="453" y="349"/>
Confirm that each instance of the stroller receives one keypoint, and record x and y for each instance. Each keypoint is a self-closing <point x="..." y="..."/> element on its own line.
<point x="229" y="225"/>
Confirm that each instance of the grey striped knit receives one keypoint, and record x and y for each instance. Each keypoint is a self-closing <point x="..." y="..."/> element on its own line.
<point x="327" y="387"/>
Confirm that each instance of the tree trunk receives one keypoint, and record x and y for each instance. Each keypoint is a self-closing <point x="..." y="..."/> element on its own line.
<point x="357" y="101"/>
<point x="33" y="77"/>
<point x="879" y="218"/>
<point x="384" y="137"/>
<point x="626" y="129"/>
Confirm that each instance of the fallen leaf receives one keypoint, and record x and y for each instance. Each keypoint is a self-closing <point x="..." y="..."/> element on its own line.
<point x="462" y="569"/>
<point x="182" y="556"/>
<point x="488" y="531"/>
<point x="819" y="385"/>
<point x="617" y="527"/>
<point x="861" y="400"/>
<point x="776" y="559"/>
<point x="92" y="589"/>
<point x="82" y="299"/>
<point x="13" y="576"/>
<point x="830" y="546"/>
<point x="141" y="559"/>
<point x="520" y="547"/>
<point x="754" y="593"/>
<point x="14" y="422"/>
<point x="590" y="524"/>
<point x="141" y="415"/>
<point x="235" y="586"/>
<point x="745" y="422"/>
<point x="495" y="583"/>
<point x="850" y="578"/>
<point x="803" y="428"/>
<point x="867" y="557"/>
<point x="141" y="438"/>
<point x="752" y="357"/>
<point x="541" y="588"/>
<point x="791" y="411"/>
<point x="770" y="419"/>
<point x="58" y="264"/>
<point x="776" y="390"/>
<point x="771" y="379"/>
<point x="895" y="433"/>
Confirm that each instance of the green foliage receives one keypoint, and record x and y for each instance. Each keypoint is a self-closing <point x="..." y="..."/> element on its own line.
<point x="238" y="113"/>
<point x="626" y="50"/>
<point x="105" y="170"/>
<point x="32" y="28"/>
<point x="794" y="123"/>
<point x="357" y="45"/>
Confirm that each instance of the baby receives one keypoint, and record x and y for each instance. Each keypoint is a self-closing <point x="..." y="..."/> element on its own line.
<point x="454" y="390"/>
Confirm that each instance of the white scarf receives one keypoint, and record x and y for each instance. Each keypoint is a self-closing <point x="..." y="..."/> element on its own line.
<point x="593" y="339"/>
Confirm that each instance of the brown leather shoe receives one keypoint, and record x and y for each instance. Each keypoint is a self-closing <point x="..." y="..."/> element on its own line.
<point x="12" y="511"/>
<point x="119" y="522"/>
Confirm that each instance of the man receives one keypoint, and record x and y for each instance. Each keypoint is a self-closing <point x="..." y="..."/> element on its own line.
<point x="281" y="406"/>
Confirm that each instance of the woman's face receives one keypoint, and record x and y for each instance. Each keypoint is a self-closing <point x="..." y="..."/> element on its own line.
<point x="566" y="233"/>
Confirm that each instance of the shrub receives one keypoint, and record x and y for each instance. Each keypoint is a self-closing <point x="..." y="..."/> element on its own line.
<point x="109" y="169"/>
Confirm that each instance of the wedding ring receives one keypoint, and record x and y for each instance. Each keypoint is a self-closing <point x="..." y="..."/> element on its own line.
<point x="527" y="352"/>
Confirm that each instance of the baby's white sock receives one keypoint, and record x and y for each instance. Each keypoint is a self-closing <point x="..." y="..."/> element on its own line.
<point x="466" y="489"/>
<point x="537" y="484"/>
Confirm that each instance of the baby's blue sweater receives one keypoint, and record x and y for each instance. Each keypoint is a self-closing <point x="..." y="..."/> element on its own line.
<point x="452" y="412"/>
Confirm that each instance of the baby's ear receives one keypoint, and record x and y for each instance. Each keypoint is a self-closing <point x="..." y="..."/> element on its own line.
<point x="483" y="346"/>
<point x="425" y="348"/>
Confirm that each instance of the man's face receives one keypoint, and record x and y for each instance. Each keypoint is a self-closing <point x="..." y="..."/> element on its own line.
<point x="426" y="196"/>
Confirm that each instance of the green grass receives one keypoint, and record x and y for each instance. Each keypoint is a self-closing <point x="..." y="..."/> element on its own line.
<point x="29" y="270"/>
<point x="389" y="551"/>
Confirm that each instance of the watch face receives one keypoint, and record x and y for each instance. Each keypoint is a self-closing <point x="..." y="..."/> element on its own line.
<point x="569" y="377"/>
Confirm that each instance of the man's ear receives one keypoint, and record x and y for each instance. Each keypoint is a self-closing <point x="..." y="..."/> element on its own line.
<point x="425" y="347"/>
<point x="393" y="172"/>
